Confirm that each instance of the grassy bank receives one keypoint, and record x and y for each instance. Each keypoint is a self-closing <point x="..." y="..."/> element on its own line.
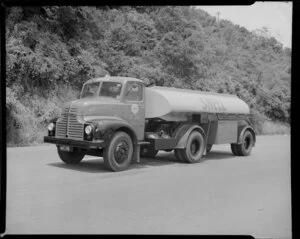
<point x="270" y="127"/>
<point x="28" y="115"/>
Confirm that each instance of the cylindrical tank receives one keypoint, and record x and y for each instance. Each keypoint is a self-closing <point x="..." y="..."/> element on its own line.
<point x="164" y="101"/>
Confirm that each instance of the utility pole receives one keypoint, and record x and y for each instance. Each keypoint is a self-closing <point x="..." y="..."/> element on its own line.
<point x="218" y="16"/>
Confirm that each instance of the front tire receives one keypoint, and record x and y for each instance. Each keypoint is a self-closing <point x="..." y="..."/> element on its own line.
<point x="194" y="148"/>
<point x="71" y="157"/>
<point x="118" y="154"/>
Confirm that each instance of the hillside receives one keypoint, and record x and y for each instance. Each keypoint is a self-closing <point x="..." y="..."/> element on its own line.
<point x="51" y="51"/>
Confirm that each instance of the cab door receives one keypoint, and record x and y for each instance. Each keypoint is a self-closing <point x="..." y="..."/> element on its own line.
<point x="134" y="112"/>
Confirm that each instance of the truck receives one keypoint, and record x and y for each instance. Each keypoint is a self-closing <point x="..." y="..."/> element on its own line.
<point x="120" y="119"/>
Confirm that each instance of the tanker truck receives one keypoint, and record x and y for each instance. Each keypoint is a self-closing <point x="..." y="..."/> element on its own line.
<point x="121" y="120"/>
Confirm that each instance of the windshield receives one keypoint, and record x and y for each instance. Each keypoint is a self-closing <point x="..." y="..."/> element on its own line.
<point x="111" y="89"/>
<point x="90" y="90"/>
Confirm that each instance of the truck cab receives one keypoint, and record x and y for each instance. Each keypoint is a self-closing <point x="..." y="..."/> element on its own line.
<point x="106" y="105"/>
<point x="114" y="98"/>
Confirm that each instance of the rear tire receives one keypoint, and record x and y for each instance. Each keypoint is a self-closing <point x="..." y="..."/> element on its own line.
<point x="244" y="149"/>
<point x="194" y="148"/>
<point x="71" y="157"/>
<point x="118" y="154"/>
<point x="234" y="149"/>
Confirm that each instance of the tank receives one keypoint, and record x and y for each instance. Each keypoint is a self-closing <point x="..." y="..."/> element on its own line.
<point x="165" y="102"/>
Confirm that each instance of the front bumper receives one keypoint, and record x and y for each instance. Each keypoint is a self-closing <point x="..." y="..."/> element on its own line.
<point x="75" y="143"/>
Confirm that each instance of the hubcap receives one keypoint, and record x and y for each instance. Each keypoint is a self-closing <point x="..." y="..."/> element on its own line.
<point x="121" y="152"/>
<point x="247" y="142"/>
<point x="195" y="145"/>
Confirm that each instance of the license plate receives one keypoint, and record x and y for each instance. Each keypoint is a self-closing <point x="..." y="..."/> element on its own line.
<point x="66" y="148"/>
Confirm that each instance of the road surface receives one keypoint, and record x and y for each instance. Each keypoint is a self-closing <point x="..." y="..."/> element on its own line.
<point x="224" y="194"/>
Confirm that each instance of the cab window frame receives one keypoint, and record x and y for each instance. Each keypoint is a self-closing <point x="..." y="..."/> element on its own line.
<point x="96" y="92"/>
<point x="116" y="82"/>
<point x="125" y="91"/>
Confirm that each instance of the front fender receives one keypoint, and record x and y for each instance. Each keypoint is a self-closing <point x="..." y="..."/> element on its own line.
<point x="105" y="127"/>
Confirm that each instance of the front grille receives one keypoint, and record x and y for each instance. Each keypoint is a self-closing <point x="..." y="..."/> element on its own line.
<point x="61" y="124"/>
<point x="68" y="126"/>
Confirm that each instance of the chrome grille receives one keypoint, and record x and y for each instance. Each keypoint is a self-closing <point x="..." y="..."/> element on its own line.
<point x="75" y="129"/>
<point x="68" y="125"/>
<point x="61" y="124"/>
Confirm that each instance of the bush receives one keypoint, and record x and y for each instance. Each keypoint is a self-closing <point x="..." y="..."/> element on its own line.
<point x="27" y="117"/>
<point x="270" y="127"/>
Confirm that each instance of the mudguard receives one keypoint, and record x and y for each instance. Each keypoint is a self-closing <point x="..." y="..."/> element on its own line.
<point x="105" y="127"/>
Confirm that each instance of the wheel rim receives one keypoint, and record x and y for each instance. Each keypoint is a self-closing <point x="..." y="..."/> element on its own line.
<point x="121" y="152"/>
<point x="195" y="146"/>
<point x="247" y="143"/>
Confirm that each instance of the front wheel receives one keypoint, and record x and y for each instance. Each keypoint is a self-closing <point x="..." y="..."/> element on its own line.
<point x="73" y="157"/>
<point x="118" y="154"/>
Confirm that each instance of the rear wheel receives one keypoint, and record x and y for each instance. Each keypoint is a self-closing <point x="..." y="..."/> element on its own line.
<point x="245" y="147"/>
<point x="194" y="148"/>
<point x="234" y="149"/>
<point x="73" y="157"/>
<point x="118" y="154"/>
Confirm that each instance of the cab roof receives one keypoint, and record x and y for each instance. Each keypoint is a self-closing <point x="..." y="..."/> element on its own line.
<point x="121" y="79"/>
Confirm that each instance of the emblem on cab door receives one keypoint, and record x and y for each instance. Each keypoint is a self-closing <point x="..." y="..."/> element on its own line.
<point x="134" y="108"/>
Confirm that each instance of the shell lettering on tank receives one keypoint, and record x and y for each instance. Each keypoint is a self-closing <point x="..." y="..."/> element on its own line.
<point x="212" y="105"/>
<point x="134" y="108"/>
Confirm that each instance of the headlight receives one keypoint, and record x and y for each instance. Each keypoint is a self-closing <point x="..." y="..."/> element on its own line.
<point x="88" y="130"/>
<point x="51" y="126"/>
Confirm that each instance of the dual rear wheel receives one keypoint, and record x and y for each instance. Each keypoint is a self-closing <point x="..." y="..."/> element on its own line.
<point x="246" y="145"/>
<point x="194" y="149"/>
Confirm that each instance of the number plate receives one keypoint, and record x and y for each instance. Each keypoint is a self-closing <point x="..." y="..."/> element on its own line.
<point x="66" y="148"/>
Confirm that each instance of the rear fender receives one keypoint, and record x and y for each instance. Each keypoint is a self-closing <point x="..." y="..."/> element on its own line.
<point x="182" y="133"/>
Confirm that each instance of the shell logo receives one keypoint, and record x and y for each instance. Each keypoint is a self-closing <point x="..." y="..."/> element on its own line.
<point x="134" y="108"/>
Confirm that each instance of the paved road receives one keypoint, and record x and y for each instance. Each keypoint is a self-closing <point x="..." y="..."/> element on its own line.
<point x="224" y="194"/>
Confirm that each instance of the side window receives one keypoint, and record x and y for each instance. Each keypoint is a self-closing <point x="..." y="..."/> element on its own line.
<point x="134" y="92"/>
<point x="111" y="89"/>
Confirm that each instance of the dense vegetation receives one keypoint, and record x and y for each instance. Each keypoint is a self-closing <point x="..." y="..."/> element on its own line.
<point x="51" y="51"/>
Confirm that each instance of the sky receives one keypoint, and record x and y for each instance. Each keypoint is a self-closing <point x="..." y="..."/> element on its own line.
<point x="276" y="16"/>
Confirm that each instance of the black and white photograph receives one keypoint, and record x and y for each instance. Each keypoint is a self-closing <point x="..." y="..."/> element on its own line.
<point x="149" y="120"/>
